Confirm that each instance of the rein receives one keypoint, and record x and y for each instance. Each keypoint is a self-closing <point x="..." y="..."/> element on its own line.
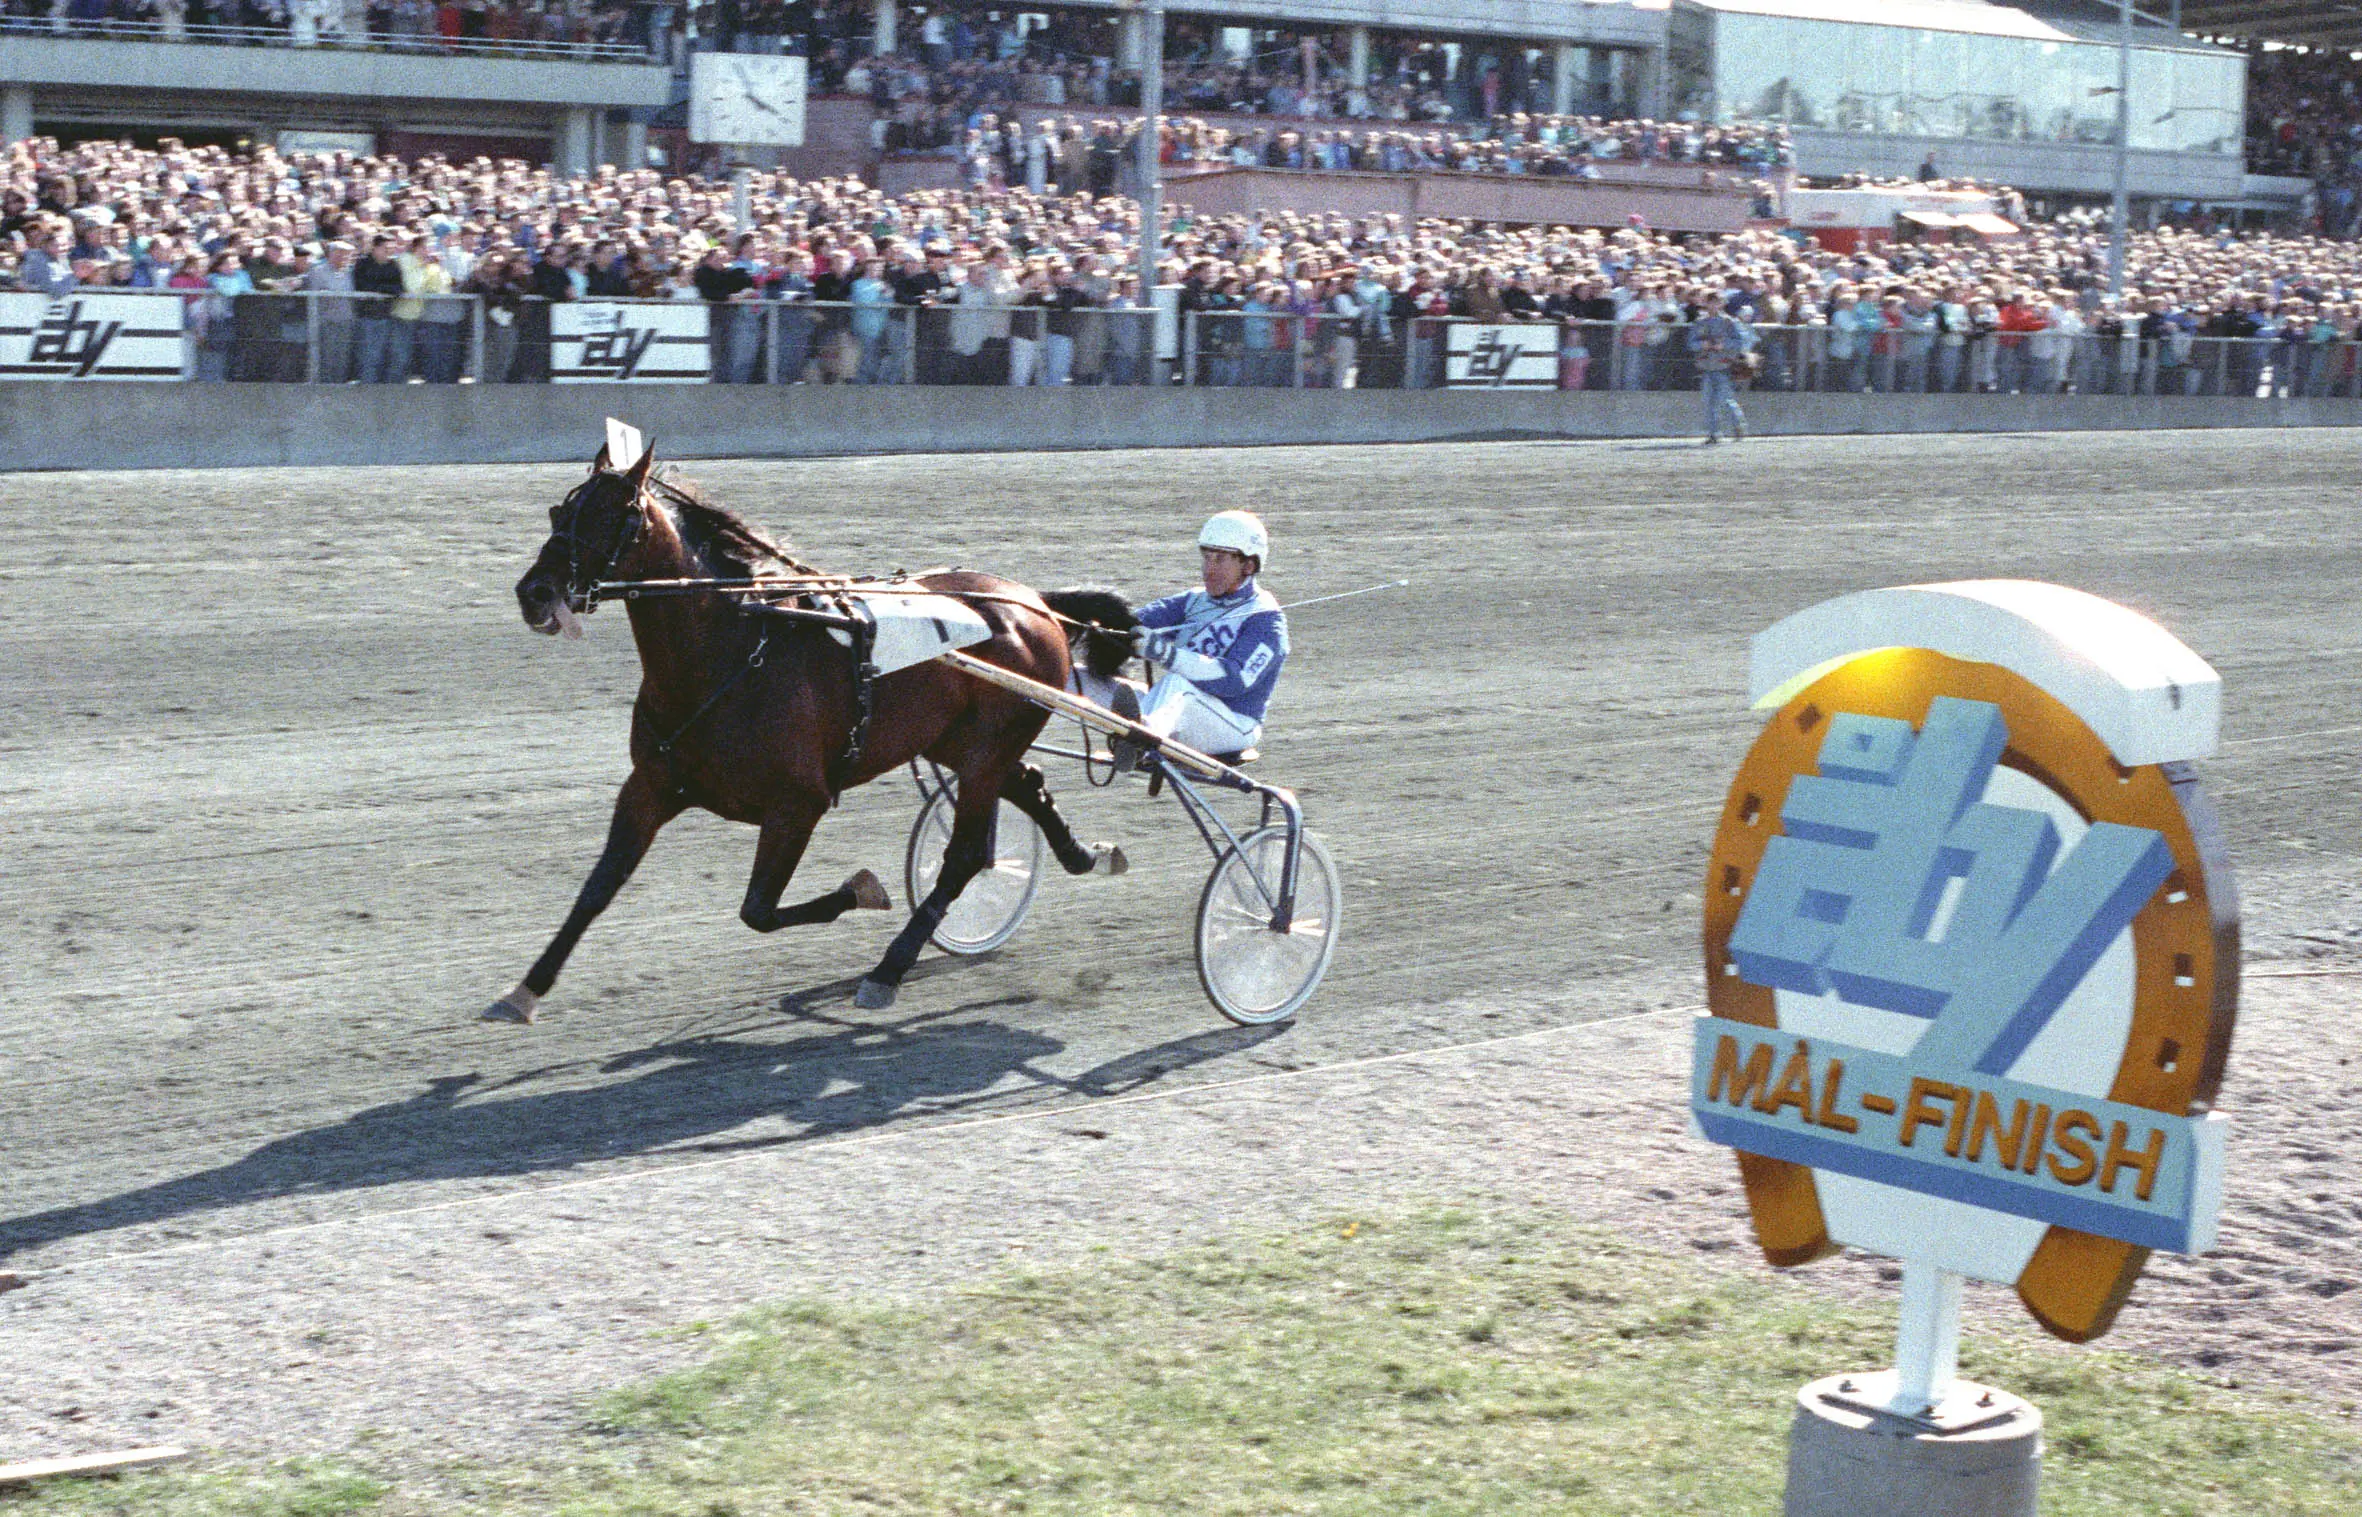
<point x="637" y="589"/>
<point x="849" y="620"/>
<point x="754" y="660"/>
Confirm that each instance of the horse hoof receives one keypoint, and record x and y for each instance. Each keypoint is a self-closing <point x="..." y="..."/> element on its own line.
<point x="517" y="1006"/>
<point x="868" y="892"/>
<point x="1108" y="859"/>
<point x="873" y="996"/>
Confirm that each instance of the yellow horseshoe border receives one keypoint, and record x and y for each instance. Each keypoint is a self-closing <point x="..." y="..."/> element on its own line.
<point x="2185" y="940"/>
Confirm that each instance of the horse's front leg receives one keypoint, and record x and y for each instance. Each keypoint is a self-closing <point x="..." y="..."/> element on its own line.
<point x="964" y="857"/>
<point x="641" y="808"/>
<point x="785" y="832"/>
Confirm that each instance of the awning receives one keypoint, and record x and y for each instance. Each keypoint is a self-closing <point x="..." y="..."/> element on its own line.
<point x="1934" y="220"/>
<point x="1986" y="224"/>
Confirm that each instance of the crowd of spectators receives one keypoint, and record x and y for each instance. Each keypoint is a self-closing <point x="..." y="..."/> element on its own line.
<point x="2023" y="314"/>
<point x="964" y="89"/>
<point x="2303" y="112"/>
<point x="2215" y="314"/>
<point x="2304" y="119"/>
<point x="1058" y="58"/>
<point x="1005" y="150"/>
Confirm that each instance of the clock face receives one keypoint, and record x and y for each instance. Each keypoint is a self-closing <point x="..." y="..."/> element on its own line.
<point x="748" y="98"/>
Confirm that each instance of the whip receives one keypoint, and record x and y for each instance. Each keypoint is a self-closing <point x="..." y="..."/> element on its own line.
<point x="1392" y="584"/>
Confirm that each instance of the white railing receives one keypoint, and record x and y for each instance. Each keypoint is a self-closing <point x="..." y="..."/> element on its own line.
<point x="337" y="338"/>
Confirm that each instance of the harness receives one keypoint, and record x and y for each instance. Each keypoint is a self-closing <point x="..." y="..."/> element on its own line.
<point x="754" y="660"/>
<point x="802" y="595"/>
<point x="819" y="599"/>
<point x="842" y="614"/>
<point x="863" y="628"/>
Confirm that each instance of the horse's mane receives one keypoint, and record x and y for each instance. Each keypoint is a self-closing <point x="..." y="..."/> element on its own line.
<point x="716" y="531"/>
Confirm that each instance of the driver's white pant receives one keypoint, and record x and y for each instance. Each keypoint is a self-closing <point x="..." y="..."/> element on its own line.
<point x="1175" y="709"/>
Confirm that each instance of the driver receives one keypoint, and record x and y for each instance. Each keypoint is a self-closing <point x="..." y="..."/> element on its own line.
<point x="1222" y="648"/>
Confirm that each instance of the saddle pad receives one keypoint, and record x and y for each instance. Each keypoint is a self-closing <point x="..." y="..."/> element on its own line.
<point x="914" y="628"/>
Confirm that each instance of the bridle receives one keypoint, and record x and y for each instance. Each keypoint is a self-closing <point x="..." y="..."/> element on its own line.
<point x="582" y="590"/>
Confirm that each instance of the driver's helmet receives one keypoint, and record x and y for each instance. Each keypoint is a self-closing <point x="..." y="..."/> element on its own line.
<point x="1240" y="532"/>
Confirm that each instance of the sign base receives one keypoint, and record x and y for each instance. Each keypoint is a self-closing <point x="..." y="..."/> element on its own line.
<point x="1976" y="1453"/>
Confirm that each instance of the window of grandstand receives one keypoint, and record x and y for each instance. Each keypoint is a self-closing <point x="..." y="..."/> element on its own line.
<point x="1915" y="69"/>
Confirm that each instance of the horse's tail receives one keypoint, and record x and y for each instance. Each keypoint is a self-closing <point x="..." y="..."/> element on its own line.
<point x="1106" y="648"/>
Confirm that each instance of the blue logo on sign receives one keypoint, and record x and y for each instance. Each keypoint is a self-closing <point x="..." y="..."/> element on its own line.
<point x="1896" y="887"/>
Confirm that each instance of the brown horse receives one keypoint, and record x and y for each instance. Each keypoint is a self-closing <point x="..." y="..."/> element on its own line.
<point x="746" y="714"/>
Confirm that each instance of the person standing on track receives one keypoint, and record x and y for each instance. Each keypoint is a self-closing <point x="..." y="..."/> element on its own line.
<point x="1222" y="648"/>
<point x="1718" y="342"/>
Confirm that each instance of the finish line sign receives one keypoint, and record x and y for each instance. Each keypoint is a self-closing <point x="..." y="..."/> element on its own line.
<point x="2094" y="1165"/>
<point x="1971" y="950"/>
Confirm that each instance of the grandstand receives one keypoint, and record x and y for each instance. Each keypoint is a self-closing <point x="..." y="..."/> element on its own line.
<point x="2022" y="95"/>
<point x="1282" y="262"/>
<point x="2299" y="23"/>
<point x="1698" y="115"/>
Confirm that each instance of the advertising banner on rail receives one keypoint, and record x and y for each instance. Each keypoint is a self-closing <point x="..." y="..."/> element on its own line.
<point x="603" y="342"/>
<point x="1522" y="357"/>
<point x="86" y="336"/>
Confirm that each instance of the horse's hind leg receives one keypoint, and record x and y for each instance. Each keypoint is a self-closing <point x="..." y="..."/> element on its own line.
<point x="782" y="846"/>
<point x="1026" y="790"/>
<point x="964" y="857"/>
<point x="641" y="808"/>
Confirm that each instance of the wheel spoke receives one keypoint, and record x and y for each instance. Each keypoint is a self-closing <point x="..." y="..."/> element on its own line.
<point x="1252" y="973"/>
<point x="996" y="899"/>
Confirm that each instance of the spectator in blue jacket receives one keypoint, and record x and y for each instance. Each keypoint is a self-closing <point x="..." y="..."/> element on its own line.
<point x="1717" y="343"/>
<point x="873" y="308"/>
<point x="47" y="270"/>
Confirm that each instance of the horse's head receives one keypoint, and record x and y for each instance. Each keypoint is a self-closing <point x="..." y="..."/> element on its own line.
<point x="591" y="531"/>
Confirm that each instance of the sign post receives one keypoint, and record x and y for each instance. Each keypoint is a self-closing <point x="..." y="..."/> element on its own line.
<point x="1972" y="964"/>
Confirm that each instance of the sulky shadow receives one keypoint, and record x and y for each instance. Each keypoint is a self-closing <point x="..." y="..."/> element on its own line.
<point x="686" y="1095"/>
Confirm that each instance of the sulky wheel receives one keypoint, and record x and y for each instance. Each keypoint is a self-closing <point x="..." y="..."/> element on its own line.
<point x="1252" y="974"/>
<point x="996" y="900"/>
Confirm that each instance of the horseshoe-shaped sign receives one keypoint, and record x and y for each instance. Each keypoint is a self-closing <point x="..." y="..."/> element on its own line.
<point x="1972" y="949"/>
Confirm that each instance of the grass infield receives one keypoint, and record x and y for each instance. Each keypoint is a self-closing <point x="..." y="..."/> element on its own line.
<point x="1438" y="1362"/>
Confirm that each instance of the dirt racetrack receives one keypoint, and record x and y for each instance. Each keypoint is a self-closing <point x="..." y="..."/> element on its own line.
<point x="290" y="793"/>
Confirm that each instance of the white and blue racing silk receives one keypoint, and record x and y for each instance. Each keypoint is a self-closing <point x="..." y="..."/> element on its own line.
<point x="1230" y="649"/>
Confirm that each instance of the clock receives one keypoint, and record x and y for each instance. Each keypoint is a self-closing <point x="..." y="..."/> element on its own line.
<point x="751" y="98"/>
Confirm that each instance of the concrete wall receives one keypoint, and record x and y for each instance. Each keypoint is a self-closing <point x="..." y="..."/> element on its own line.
<point x="837" y="141"/>
<point x="152" y="426"/>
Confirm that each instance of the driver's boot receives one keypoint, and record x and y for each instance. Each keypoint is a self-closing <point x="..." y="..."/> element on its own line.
<point x="1126" y="704"/>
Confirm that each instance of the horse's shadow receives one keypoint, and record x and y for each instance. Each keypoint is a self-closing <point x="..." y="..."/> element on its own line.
<point x="682" y="1095"/>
